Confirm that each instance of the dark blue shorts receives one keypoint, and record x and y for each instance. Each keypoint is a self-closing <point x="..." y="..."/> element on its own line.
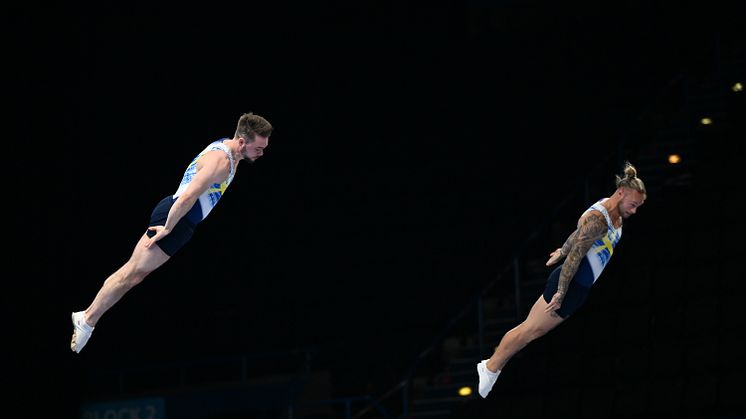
<point x="577" y="292"/>
<point x="181" y="233"/>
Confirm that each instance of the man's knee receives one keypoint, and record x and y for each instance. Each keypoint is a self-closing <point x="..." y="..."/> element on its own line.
<point x="523" y="334"/>
<point x="534" y="332"/>
<point x="132" y="276"/>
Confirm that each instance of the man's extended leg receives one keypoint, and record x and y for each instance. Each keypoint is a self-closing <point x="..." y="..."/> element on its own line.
<point x="142" y="262"/>
<point x="537" y="324"/>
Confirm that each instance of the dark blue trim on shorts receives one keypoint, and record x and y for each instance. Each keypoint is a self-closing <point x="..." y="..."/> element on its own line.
<point x="577" y="291"/>
<point x="180" y="234"/>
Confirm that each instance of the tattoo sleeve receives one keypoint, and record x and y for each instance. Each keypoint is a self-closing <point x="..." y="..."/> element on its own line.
<point x="592" y="228"/>
<point x="568" y="244"/>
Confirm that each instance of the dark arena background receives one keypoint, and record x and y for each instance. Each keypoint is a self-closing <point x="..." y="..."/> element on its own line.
<point x="427" y="157"/>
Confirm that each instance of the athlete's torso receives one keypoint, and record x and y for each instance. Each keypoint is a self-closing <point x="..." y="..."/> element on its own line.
<point x="207" y="201"/>
<point x="599" y="254"/>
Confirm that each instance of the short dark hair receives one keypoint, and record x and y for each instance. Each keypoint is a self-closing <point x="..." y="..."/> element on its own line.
<point x="249" y="125"/>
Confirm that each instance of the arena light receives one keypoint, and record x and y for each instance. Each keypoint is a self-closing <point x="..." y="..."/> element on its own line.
<point x="737" y="87"/>
<point x="674" y="158"/>
<point x="464" y="391"/>
<point x="705" y="121"/>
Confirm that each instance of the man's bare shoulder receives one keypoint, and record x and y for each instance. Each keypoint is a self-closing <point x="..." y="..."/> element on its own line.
<point x="592" y="224"/>
<point x="214" y="158"/>
<point x="592" y="217"/>
<point x="215" y="164"/>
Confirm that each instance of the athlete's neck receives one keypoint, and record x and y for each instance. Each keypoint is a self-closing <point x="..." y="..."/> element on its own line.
<point x="235" y="148"/>
<point x="612" y="207"/>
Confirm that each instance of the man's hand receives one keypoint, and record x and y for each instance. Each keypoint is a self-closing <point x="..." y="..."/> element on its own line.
<point x="554" y="257"/>
<point x="160" y="232"/>
<point x="556" y="302"/>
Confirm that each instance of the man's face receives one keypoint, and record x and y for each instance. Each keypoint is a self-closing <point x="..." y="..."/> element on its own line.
<point x="255" y="149"/>
<point x="631" y="200"/>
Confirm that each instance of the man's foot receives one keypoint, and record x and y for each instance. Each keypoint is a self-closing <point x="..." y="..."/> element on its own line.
<point x="81" y="332"/>
<point x="487" y="378"/>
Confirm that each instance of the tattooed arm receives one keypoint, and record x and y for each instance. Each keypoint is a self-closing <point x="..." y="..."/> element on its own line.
<point x="558" y="254"/>
<point x="592" y="227"/>
<point x="569" y="243"/>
